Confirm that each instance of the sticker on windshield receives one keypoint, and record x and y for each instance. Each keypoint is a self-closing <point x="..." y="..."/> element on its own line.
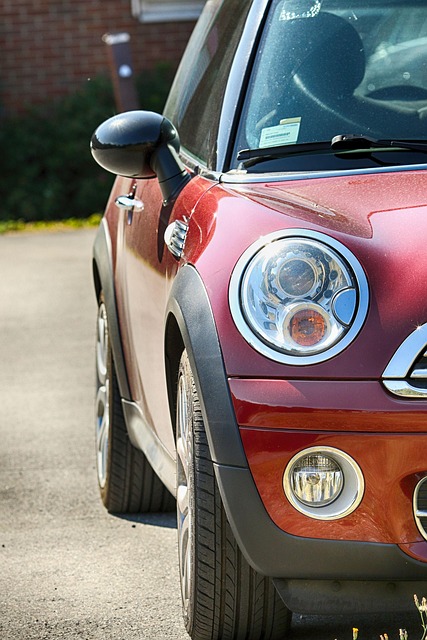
<point x="284" y="133"/>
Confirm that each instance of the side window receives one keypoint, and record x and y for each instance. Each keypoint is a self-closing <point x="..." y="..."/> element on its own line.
<point x="195" y="100"/>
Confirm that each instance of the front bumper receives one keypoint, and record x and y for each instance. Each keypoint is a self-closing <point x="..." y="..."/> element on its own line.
<point x="374" y="559"/>
<point x="386" y="437"/>
<point x="318" y="576"/>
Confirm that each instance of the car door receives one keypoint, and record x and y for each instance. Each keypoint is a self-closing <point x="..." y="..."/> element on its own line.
<point x="147" y="267"/>
<point x="146" y="274"/>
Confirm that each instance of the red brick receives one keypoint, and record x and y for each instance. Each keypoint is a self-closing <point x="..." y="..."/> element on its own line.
<point x="51" y="47"/>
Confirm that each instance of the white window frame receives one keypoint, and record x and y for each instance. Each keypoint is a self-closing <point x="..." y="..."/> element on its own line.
<point x="166" y="10"/>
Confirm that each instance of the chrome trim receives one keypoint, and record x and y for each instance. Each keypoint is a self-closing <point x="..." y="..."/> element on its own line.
<point x="350" y="496"/>
<point x="403" y="389"/>
<point x="240" y="177"/>
<point x="175" y="236"/>
<point x="128" y="202"/>
<point x="419" y="513"/>
<point x="420" y="373"/>
<point x="397" y="375"/>
<point x="262" y="347"/>
<point x="402" y="361"/>
<point x="237" y="176"/>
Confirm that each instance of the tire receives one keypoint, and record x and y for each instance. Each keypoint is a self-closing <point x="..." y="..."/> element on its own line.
<point x="126" y="480"/>
<point x="222" y="596"/>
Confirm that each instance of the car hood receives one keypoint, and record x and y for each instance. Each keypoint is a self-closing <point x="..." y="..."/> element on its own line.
<point x="352" y="205"/>
<point x="382" y="219"/>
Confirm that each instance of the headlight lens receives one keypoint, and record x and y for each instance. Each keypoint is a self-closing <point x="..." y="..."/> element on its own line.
<point x="288" y="293"/>
<point x="316" y="480"/>
<point x="298" y="296"/>
<point x="323" y="483"/>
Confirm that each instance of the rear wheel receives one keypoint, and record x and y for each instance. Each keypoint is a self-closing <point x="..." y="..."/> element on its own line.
<point x="126" y="480"/>
<point x="222" y="596"/>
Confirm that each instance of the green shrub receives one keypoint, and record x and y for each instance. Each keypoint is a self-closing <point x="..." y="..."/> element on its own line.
<point x="153" y="87"/>
<point x="47" y="171"/>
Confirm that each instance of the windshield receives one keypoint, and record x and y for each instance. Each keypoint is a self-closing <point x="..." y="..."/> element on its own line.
<point x="332" y="67"/>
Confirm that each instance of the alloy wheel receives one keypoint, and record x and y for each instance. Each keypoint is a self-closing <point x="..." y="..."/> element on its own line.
<point x="102" y="420"/>
<point x="184" y="489"/>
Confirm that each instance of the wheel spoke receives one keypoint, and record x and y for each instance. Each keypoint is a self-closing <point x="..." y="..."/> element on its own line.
<point x="184" y="550"/>
<point x="182" y="409"/>
<point x="182" y="454"/>
<point x="102" y="345"/>
<point x="102" y="421"/>
<point x="102" y="428"/>
<point x="182" y="500"/>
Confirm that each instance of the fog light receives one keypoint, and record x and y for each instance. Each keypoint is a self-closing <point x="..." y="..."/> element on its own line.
<point x="323" y="483"/>
<point x="316" y="480"/>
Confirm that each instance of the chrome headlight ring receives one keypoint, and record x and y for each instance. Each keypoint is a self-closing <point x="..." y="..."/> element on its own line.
<point x="298" y="296"/>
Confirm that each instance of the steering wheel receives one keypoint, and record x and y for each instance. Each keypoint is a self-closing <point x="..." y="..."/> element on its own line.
<point x="401" y="92"/>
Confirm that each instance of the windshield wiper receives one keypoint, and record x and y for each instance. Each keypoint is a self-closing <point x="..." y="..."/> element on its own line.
<point x="283" y="150"/>
<point x="339" y="143"/>
<point x="354" y="142"/>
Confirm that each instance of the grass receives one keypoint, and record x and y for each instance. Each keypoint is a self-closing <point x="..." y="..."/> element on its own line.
<point x="403" y="634"/>
<point x="13" y="226"/>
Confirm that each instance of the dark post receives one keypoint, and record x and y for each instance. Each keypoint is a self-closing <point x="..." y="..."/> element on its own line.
<point x="120" y="60"/>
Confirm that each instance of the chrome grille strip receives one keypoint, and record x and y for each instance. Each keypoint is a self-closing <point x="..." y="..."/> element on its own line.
<point x="404" y="389"/>
<point x="403" y="360"/>
<point x="419" y="506"/>
<point x="420" y="369"/>
<point x="406" y="373"/>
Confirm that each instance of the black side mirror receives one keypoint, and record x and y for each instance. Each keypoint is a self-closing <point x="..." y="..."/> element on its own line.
<point x="141" y="144"/>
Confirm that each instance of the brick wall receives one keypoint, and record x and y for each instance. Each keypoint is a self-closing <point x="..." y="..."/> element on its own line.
<point x="50" y="48"/>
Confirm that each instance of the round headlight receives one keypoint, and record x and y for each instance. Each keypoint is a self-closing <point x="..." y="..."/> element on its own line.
<point x="323" y="483"/>
<point x="298" y="297"/>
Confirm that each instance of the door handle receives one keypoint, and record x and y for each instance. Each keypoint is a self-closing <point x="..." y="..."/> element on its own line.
<point x="129" y="203"/>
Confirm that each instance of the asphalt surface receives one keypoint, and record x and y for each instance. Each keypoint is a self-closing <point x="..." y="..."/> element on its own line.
<point x="68" y="569"/>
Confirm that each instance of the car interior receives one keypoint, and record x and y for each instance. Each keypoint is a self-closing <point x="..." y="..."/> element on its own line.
<point x="316" y="71"/>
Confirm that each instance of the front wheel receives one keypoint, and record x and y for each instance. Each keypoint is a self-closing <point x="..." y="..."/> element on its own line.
<point x="126" y="479"/>
<point x="222" y="596"/>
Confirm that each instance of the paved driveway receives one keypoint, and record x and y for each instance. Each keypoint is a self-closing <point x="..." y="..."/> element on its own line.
<point x="68" y="570"/>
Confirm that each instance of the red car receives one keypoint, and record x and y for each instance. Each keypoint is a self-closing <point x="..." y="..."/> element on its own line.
<point x="262" y="326"/>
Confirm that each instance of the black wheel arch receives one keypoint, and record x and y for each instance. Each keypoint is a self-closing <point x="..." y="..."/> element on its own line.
<point x="190" y="325"/>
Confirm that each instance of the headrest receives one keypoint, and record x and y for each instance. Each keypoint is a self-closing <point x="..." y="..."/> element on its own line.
<point x="323" y="53"/>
